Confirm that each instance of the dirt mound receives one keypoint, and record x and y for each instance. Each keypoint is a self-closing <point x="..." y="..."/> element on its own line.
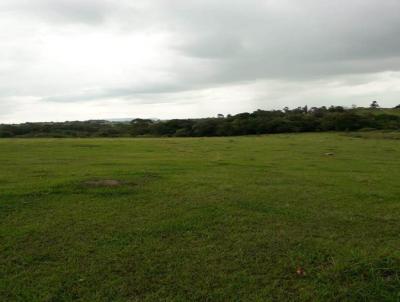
<point x="111" y="183"/>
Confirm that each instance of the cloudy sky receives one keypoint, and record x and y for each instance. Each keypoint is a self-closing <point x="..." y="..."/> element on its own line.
<point x="85" y="59"/>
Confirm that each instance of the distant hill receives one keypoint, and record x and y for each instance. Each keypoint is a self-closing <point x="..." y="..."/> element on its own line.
<point x="126" y="120"/>
<point x="120" y="120"/>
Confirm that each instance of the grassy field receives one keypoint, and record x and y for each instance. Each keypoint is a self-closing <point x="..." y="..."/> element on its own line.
<point x="307" y="217"/>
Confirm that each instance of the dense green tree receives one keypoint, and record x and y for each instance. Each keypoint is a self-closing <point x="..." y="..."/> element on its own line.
<point x="374" y="105"/>
<point x="301" y="119"/>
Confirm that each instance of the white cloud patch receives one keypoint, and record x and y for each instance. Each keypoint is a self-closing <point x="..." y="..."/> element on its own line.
<point x="70" y="59"/>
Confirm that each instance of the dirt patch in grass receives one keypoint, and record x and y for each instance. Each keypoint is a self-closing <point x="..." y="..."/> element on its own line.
<point x="107" y="183"/>
<point x="139" y="180"/>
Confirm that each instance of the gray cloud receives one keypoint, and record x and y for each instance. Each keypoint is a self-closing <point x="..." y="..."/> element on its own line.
<point x="70" y="51"/>
<point x="62" y="11"/>
<point x="291" y="38"/>
<point x="127" y="92"/>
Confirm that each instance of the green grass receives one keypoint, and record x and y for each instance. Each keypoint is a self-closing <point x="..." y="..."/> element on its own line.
<point x="201" y="219"/>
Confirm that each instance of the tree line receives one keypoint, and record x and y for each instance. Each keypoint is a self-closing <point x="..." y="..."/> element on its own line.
<point x="301" y="119"/>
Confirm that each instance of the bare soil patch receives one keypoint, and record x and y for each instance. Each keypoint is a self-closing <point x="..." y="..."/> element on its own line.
<point x="110" y="183"/>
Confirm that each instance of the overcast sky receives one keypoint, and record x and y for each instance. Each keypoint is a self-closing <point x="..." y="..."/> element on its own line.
<point x="90" y="59"/>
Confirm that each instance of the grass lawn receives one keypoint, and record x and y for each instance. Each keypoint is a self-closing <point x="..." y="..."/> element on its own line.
<point x="302" y="217"/>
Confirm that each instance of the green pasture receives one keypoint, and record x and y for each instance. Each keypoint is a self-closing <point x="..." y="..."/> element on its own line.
<point x="291" y="217"/>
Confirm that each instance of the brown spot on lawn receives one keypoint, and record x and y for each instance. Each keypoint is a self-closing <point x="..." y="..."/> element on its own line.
<point x="300" y="271"/>
<point x="108" y="183"/>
